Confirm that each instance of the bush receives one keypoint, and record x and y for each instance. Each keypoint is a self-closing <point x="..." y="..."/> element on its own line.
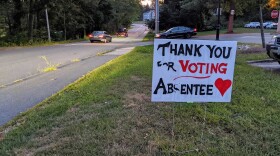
<point x="151" y="24"/>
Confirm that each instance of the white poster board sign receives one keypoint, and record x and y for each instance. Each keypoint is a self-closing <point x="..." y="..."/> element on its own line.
<point x="193" y="70"/>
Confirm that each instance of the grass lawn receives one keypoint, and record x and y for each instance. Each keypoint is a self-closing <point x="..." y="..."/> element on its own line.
<point x="149" y="37"/>
<point x="108" y="112"/>
<point x="237" y="31"/>
<point x="37" y="43"/>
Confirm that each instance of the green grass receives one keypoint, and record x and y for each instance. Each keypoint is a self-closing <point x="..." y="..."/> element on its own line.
<point x="149" y="37"/>
<point x="108" y="112"/>
<point x="236" y="31"/>
<point x="36" y="43"/>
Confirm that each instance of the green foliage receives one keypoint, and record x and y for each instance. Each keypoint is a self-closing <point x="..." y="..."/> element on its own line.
<point x="192" y="13"/>
<point x="149" y="37"/>
<point x="69" y="19"/>
<point x="200" y="13"/>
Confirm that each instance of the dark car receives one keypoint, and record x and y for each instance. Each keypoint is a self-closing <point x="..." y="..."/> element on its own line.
<point x="101" y="36"/>
<point x="122" y="32"/>
<point x="178" y="32"/>
<point x="273" y="48"/>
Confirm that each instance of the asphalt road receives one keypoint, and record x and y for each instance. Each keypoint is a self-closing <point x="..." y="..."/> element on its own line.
<point x="24" y="84"/>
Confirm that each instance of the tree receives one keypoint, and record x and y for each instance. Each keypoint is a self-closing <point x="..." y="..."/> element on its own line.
<point x="198" y="10"/>
<point x="66" y="16"/>
<point x="69" y="19"/>
<point x="184" y="12"/>
<point x="273" y="3"/>
<point x="124" y="12"/>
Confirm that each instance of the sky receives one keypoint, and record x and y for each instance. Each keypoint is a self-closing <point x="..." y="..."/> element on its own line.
<point x="145" y="2"/>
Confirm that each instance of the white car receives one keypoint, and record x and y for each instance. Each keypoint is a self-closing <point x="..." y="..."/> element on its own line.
<point x="271" y="26"/>
<point x="252" y="25"/>
<point x="267" y="23"/>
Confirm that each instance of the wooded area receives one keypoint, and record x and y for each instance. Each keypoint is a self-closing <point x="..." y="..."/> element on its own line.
<point x="202" y="13"/>
<point x="25" y="20"/>
<point x="22" y="20"/>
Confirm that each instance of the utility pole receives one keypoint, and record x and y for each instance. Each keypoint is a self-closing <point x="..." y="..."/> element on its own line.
<point x="219" y="22"/>
<point x="261" y="26"/>
<point x="278" y="25"/>
<point x="157" y="18"/>
<point x="48" y="26"/>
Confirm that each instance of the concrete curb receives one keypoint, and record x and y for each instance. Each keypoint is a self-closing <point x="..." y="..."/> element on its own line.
<point x="261" y="61"/>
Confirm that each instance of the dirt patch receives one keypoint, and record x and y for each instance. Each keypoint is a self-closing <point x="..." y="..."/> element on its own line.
<point x="45" y="147"/>
<point x="253" y="50"/>
<point x="136" y="78"/>
<point x="73" y="109"/>
<point x="138" y="97"/>
<point x="135" y="99"/>
<point x="135" y="130"/>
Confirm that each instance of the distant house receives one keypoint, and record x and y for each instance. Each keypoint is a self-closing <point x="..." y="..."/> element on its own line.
<point x="149" y="15"/>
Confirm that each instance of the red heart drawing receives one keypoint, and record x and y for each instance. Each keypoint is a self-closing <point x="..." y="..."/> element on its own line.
<point x="222" y="85"/>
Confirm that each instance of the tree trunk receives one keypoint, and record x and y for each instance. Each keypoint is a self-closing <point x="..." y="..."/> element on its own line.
<point x="36" y="18"/>
<point x="231" y="16"/>
<point x="30" y="21"/>
<point x="278" y="25"/>
<point x="64" y="25"/>
<point x="85" y="33"/>
<point x="17" y="16"/>
<point x="36" y="22"/>
<point x="8" y="21"/>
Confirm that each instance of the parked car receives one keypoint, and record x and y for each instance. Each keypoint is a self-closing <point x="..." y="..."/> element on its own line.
<point x="101" y="36"/>
<point x="267" y="23"/>
<point x="252" y="25"/>
<point x="271" y="26"/>
<point x="178" y="32"/>
<point x="273" y="48"/>
<point x="122" y="32"/>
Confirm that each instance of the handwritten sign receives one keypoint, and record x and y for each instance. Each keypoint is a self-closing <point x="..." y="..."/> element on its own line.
<point x="193" y="70"/>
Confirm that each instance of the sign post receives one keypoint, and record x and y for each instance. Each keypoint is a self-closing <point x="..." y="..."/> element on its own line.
<point x="193" y="70"/>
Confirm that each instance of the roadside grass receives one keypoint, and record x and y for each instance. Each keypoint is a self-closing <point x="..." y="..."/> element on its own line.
<point x="108" y="112"/>
<point x="149" y="37"/>
<point x="237" y="31"/>
<point x="36" y="43"/>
